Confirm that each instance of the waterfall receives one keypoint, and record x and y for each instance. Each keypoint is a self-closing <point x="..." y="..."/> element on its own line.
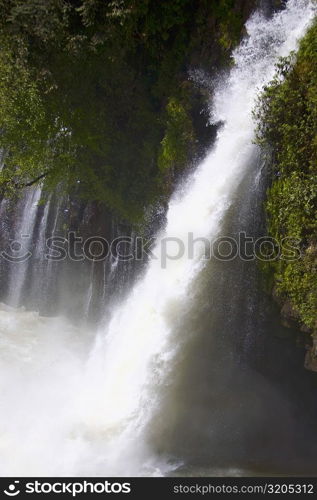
<point x="73" y="414"/>
<point x="78" y="289"/>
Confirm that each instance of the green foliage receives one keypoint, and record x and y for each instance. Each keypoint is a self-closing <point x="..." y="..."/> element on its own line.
<point x="178" y="137"/>
<point x="291" y="206"/>
<point x="33" y="144"/>
<point x="287" y="130"/>
<point x="231" y="22"/>
<point x="297" y="280"/>
<point x="92" y="93"/>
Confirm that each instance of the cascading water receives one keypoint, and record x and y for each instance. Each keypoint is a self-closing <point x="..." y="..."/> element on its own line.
<point x="70" y="415"/>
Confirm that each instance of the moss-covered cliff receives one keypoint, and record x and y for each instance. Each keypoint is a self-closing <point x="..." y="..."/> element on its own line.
<point x="287" y="114"/>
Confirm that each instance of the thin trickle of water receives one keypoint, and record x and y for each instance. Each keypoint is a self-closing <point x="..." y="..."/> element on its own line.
<point x="24" y="233"/>
<point x="90" y="290"/>
<point x="106" y="402"/>
<point x="38" y="282"/>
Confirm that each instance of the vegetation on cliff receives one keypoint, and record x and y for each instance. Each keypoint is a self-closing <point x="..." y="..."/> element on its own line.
<point x="95" y="94"/>
<point x="287" y="130"/>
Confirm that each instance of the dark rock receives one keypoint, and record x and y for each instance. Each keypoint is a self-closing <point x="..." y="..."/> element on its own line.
<point x="311" y="356"/>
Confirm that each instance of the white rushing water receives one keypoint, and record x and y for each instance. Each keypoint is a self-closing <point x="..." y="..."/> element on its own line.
<point x="75" y="404"/>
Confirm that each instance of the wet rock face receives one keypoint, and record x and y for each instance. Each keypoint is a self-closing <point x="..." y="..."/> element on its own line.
<point x="311" y="355"/>
<point x="291" y="319"/>
<point x="288" y="314"/>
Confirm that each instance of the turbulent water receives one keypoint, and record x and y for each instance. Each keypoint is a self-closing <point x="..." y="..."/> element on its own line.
<point x="79" y="402"/>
